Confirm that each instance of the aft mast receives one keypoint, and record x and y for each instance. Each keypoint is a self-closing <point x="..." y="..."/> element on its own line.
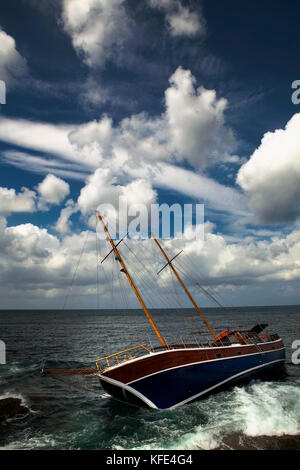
<point x="134" y="288"/>
<point x="169" y="263"/>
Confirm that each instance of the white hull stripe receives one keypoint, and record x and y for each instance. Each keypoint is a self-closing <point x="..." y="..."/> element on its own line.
<point x="129" y="389"/>
<point x="223" y="382"/>
<point x="204" y="362"/>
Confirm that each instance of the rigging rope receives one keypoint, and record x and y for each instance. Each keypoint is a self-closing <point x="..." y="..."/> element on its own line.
<point x="75" y="271"/>
<point x="97" y="264"/>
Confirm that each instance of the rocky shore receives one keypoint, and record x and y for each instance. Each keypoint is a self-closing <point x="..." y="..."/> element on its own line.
<point x="12" y="408"/>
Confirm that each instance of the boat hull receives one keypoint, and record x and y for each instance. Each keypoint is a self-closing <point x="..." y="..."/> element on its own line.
<point x="183" y="383"/>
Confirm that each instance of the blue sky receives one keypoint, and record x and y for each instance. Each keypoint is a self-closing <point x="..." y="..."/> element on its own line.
<point x="162" y="101"/>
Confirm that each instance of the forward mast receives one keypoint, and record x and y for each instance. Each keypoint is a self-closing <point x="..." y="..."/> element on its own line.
<point x="133" y="286"/>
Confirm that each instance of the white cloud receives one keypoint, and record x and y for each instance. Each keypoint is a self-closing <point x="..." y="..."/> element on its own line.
<point x="218" y="262"/>
<point x="99" y="189"/>
<point x="13" y="66"/>
<point x="271" y="177"/>
<point x="192" y="127"/>
<point x="27" y="243"/>
<point x="43" y="165"/>
<point x="161" y="3"/>
<point x="140" y="146"/>
<point x="63" y="224"/>
<point x="41" y="266"/>
<point x="94" y="138"/>
<point x="139" y="192"/>
<point x="102" y="188"/>
<point x="52" y="190"/>
<point x="200" y="188"/>
<point x="33" y="261"/>
<point x="196" y="121"/>
<point x="10" y="201"/>
<point x="185" y="22"/>
<point x="98" y="28"/>
<point x="82" y="145"/>
<point x="181" y="20"/>
<point x="38" y="136"/>
<point x="64" y="157"/>
<point x="143" y="139"/>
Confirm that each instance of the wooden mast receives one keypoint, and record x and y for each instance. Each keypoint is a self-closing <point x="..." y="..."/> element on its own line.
<point x="184" y="287"/>
<point x="135" y="290"/>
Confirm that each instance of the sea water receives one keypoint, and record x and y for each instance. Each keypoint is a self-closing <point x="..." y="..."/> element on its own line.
<point x="76" y="413"/>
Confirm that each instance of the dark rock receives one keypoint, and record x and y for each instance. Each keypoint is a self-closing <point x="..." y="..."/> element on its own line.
<point x="12" y="408"/>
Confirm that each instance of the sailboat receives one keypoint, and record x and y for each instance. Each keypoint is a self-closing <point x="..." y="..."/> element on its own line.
<point x="171" y="375"/>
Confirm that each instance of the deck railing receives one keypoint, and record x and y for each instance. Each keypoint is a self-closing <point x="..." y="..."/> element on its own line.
<point x="121" y="356"/>
<point x="175" y="342"/>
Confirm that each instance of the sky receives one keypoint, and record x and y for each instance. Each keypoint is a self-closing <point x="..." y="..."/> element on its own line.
<point x="158" y="101"/>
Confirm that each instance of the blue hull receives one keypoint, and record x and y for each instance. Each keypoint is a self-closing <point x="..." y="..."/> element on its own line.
<point x="183" y="384"/>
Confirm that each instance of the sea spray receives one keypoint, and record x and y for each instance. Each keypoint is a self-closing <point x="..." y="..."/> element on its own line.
<point x="269" y="409"/>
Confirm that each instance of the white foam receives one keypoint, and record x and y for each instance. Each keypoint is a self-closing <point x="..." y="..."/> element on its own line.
<point x="269" y="409"/>
<point x="38" y="442"/>
<point x="260" y="409"/>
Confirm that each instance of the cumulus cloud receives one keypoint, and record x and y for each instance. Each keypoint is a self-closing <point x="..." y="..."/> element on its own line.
<point x="13" y="66"/>
<point x="185" y="22"/>
<point x="52" y="190"/>
<point x="102" y="192"/>
<point x="42" y="265"/>
<point x="32" y="260"/>
<point x="196" y="122"/>
<point x="94" y="138"/>
<point x="181" y="20"/>
<point x="63" y="224"/>
<point x="192" y="128"/>
<point x="218" y="261"/>
<point x="271" y="177"/>
<point x="27" y="243"/>
<point x="98" y="28"/>
<point x="11" y="201"/>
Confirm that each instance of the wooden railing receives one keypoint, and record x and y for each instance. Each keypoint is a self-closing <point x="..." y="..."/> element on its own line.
<point x="117" y="358"/>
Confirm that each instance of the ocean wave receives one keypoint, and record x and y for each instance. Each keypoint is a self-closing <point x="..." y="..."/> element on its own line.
<point x="17" y="368"/>
<point x="257" y="410"/>
<point x="38" y="442"/>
